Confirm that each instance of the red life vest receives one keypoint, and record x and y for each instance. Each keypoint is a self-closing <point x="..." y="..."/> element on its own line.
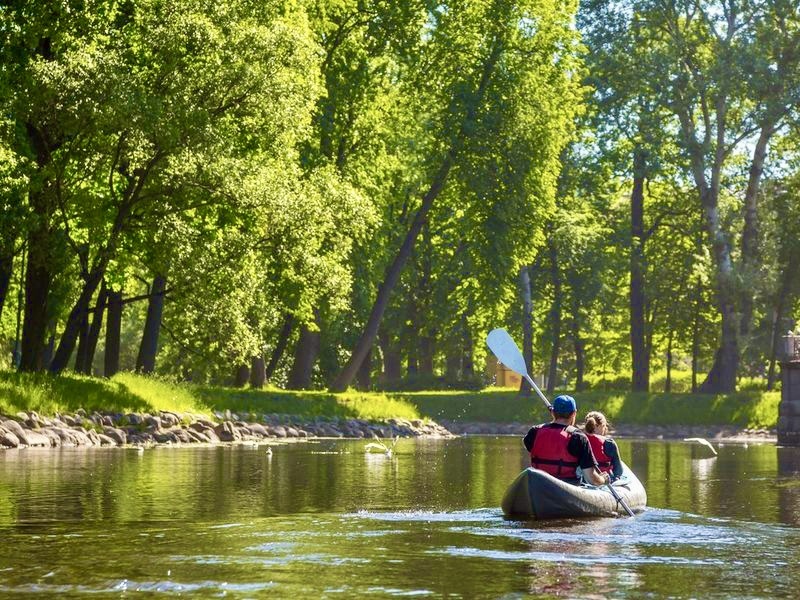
<point x="597" y="443"/>
<point x="549" y="452"/>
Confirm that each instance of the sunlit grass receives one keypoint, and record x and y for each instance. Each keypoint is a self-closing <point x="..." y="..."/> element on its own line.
<point x="743" y="409"/>
<point x="127" y="392"/>
<point x="357" y="405"/>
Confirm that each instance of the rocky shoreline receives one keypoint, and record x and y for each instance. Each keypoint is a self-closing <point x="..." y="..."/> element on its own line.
<point x="622" y="431"/>
<point x="28" y="429"/>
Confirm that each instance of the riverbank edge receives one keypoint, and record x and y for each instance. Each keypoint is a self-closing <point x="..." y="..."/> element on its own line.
<point x="28" y="429"/>
<point x="630" y="431"/>
<point x="166" y="428"/>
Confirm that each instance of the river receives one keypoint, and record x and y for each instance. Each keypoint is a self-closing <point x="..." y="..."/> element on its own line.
<point x="325" y="519"/>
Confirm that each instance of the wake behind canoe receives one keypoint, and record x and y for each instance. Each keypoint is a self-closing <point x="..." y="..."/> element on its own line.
<point x="535" y="494"/>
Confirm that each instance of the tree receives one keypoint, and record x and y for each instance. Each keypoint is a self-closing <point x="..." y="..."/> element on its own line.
<point x="504" y="44"/>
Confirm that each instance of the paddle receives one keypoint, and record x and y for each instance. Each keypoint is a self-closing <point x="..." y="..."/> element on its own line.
<point x="619" y="500"/>
<point x="506" y="351"/>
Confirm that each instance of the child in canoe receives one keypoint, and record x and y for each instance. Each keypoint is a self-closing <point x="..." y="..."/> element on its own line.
<point x="605" y="449"/>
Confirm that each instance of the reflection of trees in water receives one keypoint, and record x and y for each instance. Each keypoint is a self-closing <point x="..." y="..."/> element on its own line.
<point x="788" y="484"/>
<point x="209" y="483"/>
<point x="739" y="483"/>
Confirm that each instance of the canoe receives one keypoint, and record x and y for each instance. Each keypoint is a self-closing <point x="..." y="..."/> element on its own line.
<point x="535" y="494"/>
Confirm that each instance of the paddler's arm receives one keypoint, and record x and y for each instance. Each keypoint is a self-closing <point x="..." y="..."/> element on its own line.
<point x="527" y="441"/>
<point x="595" y="477"/>
<point x="579" y="446"/>
<point x="612" y="450"/>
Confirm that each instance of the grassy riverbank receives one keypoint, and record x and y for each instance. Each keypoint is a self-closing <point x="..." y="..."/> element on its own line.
<point x="127" y="392"/>
<point x="746" y="409"/>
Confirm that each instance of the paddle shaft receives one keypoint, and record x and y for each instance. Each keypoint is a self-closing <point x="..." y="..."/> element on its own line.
<point x="619" y="499"/>
<point x="538" y="391"/>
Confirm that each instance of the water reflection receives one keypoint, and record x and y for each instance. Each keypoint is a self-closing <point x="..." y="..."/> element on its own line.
<point x="326" y="518"/>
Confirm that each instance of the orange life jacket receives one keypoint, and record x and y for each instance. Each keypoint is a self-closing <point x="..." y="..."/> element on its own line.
<point x="597" y="443"/>
<point x="549" y="452"/>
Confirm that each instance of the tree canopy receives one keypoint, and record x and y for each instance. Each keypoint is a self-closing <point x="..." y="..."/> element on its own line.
<point x="354" y="192"/>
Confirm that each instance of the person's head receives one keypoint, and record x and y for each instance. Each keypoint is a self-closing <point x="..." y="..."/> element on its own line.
<point x="565" y="409"/>
<point x="596" y="422"/>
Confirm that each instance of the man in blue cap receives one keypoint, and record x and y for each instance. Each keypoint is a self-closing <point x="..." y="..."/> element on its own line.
<point x="559" y="447"/>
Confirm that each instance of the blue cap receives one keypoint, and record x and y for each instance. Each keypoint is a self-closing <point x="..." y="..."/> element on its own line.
<point x="564" y="405"/>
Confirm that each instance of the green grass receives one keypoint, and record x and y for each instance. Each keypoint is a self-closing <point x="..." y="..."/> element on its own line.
<point x="127" y="392"/>
<point x="360" y="405"/>
<point x="744" y="409"/>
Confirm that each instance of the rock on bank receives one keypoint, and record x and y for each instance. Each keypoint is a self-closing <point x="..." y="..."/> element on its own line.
<point x="28" y="429"/>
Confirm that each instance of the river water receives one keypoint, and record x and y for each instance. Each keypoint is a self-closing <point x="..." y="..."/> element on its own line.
<point x="325" y="519"/>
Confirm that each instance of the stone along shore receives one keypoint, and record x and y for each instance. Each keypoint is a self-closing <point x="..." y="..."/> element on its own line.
<point x="143" y="429"/>
<point x="622" y="431"/>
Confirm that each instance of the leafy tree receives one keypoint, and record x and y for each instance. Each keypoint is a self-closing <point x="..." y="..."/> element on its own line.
<point x="519" y="57"/>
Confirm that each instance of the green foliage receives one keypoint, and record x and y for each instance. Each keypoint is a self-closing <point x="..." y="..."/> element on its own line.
<point x="268" y="158"/>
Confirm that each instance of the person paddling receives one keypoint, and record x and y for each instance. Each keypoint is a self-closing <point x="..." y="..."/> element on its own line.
<point x="604" y="448"/>
<point x="559" y="448"/>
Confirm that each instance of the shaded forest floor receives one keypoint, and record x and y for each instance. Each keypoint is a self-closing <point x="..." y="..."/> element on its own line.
<point x="127" y="392"/>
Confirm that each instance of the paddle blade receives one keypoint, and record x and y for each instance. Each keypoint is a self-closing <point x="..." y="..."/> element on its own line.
<point x="506" y="350"/>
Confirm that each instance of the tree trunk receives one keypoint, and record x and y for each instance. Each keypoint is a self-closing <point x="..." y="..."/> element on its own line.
<point x="76" y="318"/>
<point x="148" y="348"/>
<point x="391" y="358"/>
<point x="47" y="357"/>
<point x="113" y="329"/>
<point x="527" y="325"/>
<point x="6" y="268"/>
<point x="83" y="340"/>
<point x="37" y="287"/>
<point x="258" y="372"/>
<point x="722" y="376"/>
<point x="426" y="353"/>
<point x="696" y="336"/>
<point x="580" y="347"/>
<point x="304" y="357"/>
<point x="390" y="280"/>
<point x="640" y="357"/>
<point x="750" y="262"/>
<point x="777" y="323"/>
<point x="38" y="275"/>
<point x="775" y="340"/>
<point x="420" y="218"/>
<point x="94" y="331"/>
<point x="17" y="352"/>
<point x="364" y="377"/>
<point x="280" y="346"/>
<point x="452" y="364"/>
<point x="467" y="364"/>
<point x="241" y="376"/>
<point x="412" y="343"/>
<point x="668" y="382"/>
<point x="411" y="336"/>
<point x="555" y="318"/>
<point x="426" y="332"/>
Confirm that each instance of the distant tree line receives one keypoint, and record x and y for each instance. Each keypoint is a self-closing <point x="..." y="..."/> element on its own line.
<point x="325" y="194"/>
